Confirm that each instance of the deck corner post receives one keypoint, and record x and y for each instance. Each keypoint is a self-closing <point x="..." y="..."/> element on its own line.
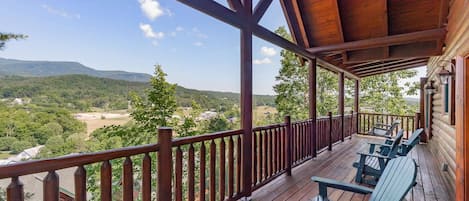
<point x="165" y="162"/>
<point x="312" y="104"/>
<point x="341" y="103"/>
<point x="289" y="144"/>
<point x="330" y="131"/>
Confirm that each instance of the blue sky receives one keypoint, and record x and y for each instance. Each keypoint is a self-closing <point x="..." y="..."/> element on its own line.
<point x="195" y="50"/>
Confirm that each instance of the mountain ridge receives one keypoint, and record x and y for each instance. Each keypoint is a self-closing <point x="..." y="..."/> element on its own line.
<point x="29" y="68"/>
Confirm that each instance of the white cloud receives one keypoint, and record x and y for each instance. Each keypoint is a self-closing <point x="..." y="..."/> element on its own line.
<point x="262" y="61"/>
<point x="268" y="51"/>
<point x="149" y="33"/>
<point x="198" y="44"/>
<point x="173" y="34"/>
<point x="151" y="8"/>
<point x="179" y="28"/>
<point x="60" y="12"/>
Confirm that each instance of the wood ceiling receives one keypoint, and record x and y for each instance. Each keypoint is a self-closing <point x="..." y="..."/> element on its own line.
<point x="369" y="37"/>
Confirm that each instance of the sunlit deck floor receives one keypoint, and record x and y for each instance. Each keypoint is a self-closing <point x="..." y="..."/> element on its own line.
<point x="338" y="165"/>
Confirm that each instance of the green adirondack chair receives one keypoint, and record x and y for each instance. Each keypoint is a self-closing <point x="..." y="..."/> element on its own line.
<point x="406" y="145"/>
<point x="384" y="130"/>
<point x="374" y="162"/>
<point x="397" y="179"/>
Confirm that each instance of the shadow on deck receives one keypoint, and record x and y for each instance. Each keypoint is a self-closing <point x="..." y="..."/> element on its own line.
<point x="338" y="165"/>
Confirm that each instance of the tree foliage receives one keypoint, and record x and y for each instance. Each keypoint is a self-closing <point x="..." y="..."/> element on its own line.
<point x="5" y="37"/>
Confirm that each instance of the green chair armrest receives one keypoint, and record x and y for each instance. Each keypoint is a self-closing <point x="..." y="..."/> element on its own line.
<point x="379" y="144"/>
<point x="324" y="183"/>
<point x="373" y="155"/>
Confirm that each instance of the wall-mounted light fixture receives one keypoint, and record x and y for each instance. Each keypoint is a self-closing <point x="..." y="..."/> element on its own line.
<point x="446" y="75"/>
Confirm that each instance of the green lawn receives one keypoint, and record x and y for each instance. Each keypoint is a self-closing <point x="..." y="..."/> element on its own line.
<point x="4" y="155"/>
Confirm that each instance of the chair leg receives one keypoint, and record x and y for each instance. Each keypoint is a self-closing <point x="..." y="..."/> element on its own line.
<point x="360" y="169"/>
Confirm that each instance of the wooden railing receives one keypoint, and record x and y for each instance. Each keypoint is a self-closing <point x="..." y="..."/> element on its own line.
<point x="204" y="167"/>
<point x="408" y="123"/>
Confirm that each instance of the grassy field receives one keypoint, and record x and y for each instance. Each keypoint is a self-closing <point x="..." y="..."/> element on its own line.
<point x="4" y="155"/>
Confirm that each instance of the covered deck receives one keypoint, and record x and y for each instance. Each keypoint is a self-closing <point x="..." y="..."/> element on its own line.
<point x="337" y="164"/>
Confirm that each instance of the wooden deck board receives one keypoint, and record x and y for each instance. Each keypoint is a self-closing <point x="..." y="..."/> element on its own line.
<point x="338" y="165"/>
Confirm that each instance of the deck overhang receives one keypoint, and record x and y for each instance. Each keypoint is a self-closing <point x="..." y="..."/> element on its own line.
<point x="379" y="36"/>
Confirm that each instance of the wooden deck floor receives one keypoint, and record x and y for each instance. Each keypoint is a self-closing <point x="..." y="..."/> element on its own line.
<point x="338" y="165"/>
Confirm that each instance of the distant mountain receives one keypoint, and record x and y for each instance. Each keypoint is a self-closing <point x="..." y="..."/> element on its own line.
<point x="55" y="68"/>
<point x="83" y="92"/>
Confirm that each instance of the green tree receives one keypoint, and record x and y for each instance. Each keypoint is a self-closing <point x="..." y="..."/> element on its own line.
<point x="292" y="88"/>
<point x="385" y="93"/>
<point x="19" y="146"/>
<point x="5" y="37"/>
<point x="6" y="143"/>
<point x="160" y="103"/>
<point x="188" y="127"/>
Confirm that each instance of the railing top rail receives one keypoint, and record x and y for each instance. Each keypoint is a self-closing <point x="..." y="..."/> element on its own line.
<point x="45" y="165"/>
<point x="204" y="137"/>
<point x="382" y="114"/>
<point x="259" y="128"/>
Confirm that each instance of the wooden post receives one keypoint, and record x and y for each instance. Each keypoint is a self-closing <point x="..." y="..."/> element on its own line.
<point x="341" y="103"/>
<point x="15" y="190"/>
<point x="246" y="99"/>
<point x="416" y="121"/>
<point x="312" y="104"/>
<point x="357" y="102"/>
<point x="165" y="163"/>
<point x="330" y="130"/>
<point x="423" y="81"/>
<point x="351" y="123"/>
<point x="462" y="128"/>
<point x="289" y="144"/>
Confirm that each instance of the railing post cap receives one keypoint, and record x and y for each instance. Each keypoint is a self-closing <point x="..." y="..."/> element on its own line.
<point x="165" y="128"/>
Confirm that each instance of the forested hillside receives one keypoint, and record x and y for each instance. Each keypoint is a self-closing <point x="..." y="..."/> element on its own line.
<point x="55" y="68"/>
<point x="82" y="93"/>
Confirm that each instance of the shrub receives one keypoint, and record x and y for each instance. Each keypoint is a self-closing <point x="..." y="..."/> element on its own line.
<point x="6" y="143"/>
<point x="20" y="146"/>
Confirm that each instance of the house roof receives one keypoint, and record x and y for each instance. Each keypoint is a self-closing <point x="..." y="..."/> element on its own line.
<point x="369" y="37"/>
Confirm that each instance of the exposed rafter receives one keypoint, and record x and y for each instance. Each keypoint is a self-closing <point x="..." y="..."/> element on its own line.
<point x="392" y="66"/>
<point x="260" y="9"/>
<point x="295" y="22"/>
<point x="383" y="41"/>
<point x="384" y="63"/>
<point x="394" y="69"/>
<point x="243" y="21"/>
<point x="235" y="5"/>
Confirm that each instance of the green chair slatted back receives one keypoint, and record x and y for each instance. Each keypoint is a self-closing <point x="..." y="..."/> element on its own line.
<point x="395" y="145"/>
<point x="396" y="181"/>
<point x="414" y="139"/>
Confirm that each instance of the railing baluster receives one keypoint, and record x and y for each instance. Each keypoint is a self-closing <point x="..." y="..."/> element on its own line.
<point x="191" y="175"/>
<point x="330" y="131"/>
<point x="146" y="178"/>
<point x="106" y="179"/>
<point x="178" y="171"/>
<point x="15" y="190"/>
<point x="266" y="150"/>
<point x="288" y="137"/>
<point x="270" y="152"/>
<point x="213" y="154"/>
<point x="80" y="184"/>
<point x="238" y="164"/>
<point x="222" y="169"/>
<point x="230" y="167"/>
<point x="128" y="182"/>
<point x="202" y="172"/>
<point x="261" y="157"/>
<point x="51" y="186"/>
<point x="277" y="150"/>
<point x="255" y="157"/>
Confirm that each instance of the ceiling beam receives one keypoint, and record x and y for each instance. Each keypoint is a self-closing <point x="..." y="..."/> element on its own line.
<point x="260" y="9"/>
<point x="242" y="21"/>
<point x="390" y="67"/>
<point x="295" y="22"/>
<point x="383" y="41"/>
<point x="383" y="63"/>
<point x="395" y="69"/>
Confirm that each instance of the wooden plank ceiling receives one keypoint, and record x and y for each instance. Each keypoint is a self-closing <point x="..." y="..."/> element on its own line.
<point x="369" y="37"/>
